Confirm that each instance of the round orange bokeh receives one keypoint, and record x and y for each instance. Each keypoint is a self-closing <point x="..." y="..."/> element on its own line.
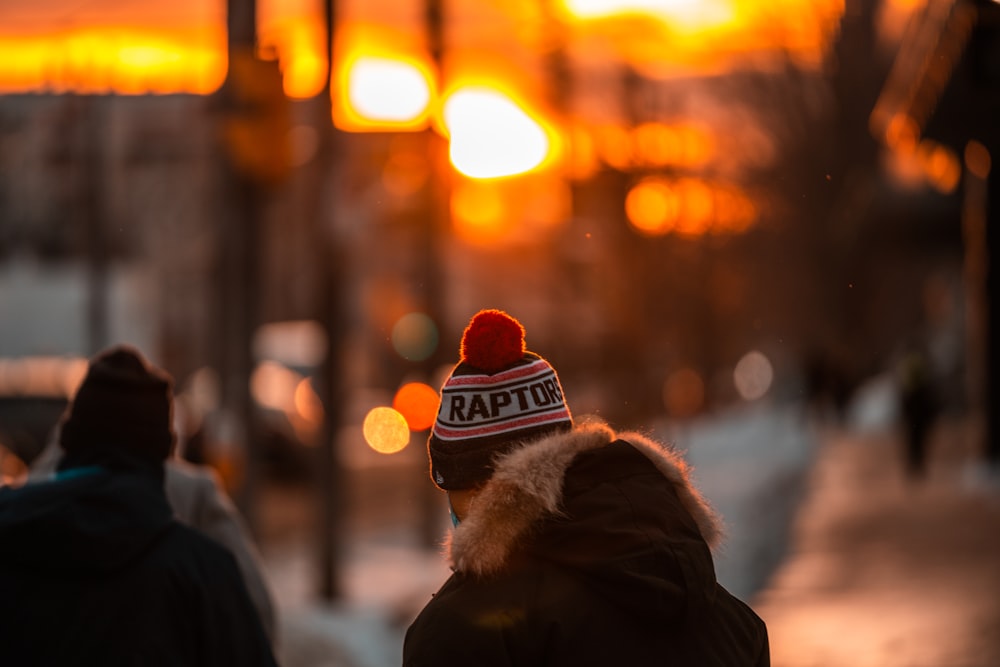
<point x="418" y="403"/>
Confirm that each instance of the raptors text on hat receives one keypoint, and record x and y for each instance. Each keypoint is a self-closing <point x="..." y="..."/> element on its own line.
<point x="498" y="396"/>
<point x="481" y="405"/>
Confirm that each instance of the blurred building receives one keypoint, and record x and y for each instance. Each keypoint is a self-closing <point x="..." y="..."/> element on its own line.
<point x="830" y="261"/>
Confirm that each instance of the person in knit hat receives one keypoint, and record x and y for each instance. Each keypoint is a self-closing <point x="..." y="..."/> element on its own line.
<point x="572" y="544"/>
<point x="94" y="568"/>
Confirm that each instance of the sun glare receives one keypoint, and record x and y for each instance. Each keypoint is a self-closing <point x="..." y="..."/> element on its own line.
<point x="137" y="55"/>
<point x="109" y="59"/>
<point x="664" y="37"/>
<point x="491" y="135"/>
<point x="390" y="91"/>
<point x="383" y="81"/>
<point x="690" y="10"/>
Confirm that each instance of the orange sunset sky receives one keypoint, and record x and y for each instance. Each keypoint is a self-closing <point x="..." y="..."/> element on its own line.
<point x="133" y="46"/>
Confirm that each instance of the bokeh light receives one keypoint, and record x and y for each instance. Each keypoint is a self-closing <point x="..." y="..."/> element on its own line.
<point x="495" y="212"/>
<point x="940" y="165"/>
<point x="667" y="9"/>
<point x="415" y="336"/>
<point x="688" y="207"/>
<point x="977" y="159"/>
<point x="418" y="403"/>
<point x="901" y="132"/>
<point x="753" y="375"/>
<point x="680" y="145"/>
<point x="664" y="37"/>
<point x="385" y="430"/>
<point x="391" y="91"/>
<point x="307" y="403"/>
<point x="293" y="31"/>
<point x="491" y="135"/>
<point x="383" y="80"/>
<point x="281" y="389"/>
<point x="652" y="207"/>
<point x="654" y="144"/>
<point x="296" y="343"/>
<point x="584" y="159"/>
<point x="55" y="377"/>
<point x="124" y="60"/>
<point x="614" y="146"/>
<point x="273" y="386"/>
<point x="735" y="212"/>
<point x="697" y="207"/>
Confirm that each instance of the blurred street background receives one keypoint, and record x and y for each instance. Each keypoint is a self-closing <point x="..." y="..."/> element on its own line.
<point x="764" y="232"/>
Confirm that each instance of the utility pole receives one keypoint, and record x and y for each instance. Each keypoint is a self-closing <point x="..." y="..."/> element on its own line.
<point x="985" y="56"/>
<point x="92" y="195"/>
<point x="329" y="271"/>
<point x="237" y="247"/>
<point x="435" y="222"/>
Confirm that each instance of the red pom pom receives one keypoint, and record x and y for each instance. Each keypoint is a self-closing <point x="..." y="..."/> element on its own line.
<point x="493" y="341"/>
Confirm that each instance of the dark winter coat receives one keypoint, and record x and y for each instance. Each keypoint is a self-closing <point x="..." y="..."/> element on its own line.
<point x="95" y="571"/>
<point x="585" y="549"/>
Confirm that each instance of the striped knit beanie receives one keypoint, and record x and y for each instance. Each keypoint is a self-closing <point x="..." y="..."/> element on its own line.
<point x="497" y="397"/>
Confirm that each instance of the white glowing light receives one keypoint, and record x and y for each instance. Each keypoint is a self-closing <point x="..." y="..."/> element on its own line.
<point x="491" y="136"/>
<point x="387" y="90"/>
<point x="607" y="7"/>
<point x="678" y="11"/>
<point x="753" y="375"/>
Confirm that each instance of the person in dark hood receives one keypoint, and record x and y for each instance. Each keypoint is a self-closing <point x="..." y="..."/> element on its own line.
<point x="573" y="545"/>
<point x="94" y="568"/>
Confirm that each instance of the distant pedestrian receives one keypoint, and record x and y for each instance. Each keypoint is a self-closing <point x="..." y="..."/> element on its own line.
<point x="919" y="406"/>
<point x="573" y="545"/>
<point x="94" y="568"/>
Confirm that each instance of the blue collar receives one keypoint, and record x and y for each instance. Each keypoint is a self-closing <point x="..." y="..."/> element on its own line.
<point x="73" y="473"/>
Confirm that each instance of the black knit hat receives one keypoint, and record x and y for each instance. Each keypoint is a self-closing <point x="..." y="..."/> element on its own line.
<point x="123" y="405"/>
<point x="498" y="396"/>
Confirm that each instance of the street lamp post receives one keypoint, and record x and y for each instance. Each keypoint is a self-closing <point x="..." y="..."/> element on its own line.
<point x="436" y="216"/>
<point x="237" y="248"/>
<point x="329" y="303"/>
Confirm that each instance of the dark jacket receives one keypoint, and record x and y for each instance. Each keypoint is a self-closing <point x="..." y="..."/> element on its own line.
<point x="585" y="549"/>
<point x="95" y="571"/>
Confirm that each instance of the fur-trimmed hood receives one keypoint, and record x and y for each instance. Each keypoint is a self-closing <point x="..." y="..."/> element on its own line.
<point x="527" y="487"/>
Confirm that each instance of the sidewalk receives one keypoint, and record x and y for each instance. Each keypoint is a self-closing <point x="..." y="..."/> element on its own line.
<point x="888" y="572"/>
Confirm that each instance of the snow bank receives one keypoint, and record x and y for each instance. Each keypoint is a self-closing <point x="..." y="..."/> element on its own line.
<point x="751" y="463"/>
